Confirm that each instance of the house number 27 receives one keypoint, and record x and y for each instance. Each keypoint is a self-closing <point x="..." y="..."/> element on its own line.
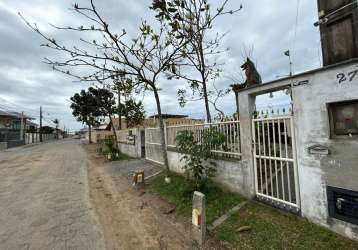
<point x="342" y="77"/>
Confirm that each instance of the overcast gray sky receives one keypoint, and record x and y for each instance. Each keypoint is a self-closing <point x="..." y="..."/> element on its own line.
<point x="269" y="25"/>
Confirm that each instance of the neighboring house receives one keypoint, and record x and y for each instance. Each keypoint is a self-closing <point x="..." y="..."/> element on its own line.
<point x="169" y="119"/>
<point x="10" y="128"/>
<point x="12" y="120"/>
<point x="99" y="133"/>
<point x="48" y="130"/>
<point x="31" y="127"/>
<point x="116" y="123"/>
<point x="153" y="121"/>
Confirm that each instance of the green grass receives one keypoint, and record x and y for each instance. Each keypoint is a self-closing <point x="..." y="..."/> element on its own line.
<point x="275" y="229"/>
<point x="271" y="228"/>
<point x="179" y="192"/>
<point x="121" y="157"/>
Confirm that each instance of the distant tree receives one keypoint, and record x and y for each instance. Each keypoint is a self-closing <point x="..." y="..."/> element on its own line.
<point x="47" y="130"/>
<point x="123" y="88"/>
<point x="84" y="108"/>
<point x="134" y="112"/>
<point x="105" y="105"/>
<point x="192" y="20"/>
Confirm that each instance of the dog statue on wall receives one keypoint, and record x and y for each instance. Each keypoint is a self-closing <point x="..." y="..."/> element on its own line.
<point x="252" y="75"/>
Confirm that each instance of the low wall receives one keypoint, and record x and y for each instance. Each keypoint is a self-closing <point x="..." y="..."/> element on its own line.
<point x="3" y="146"/>
<point x="31" y="138"/>
<point x="17" y="143"/>
<point x="231" y="174"/>
<point x="131" y="147"/>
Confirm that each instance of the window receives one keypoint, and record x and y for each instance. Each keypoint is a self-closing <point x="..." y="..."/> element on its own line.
<point x="344" y="119"/>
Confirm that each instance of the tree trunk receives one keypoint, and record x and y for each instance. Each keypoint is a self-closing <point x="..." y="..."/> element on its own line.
<point x="89" y="135"/>
<point x="206" y="100"/>
<point x="203" y="78"/>
<point x="162" y="133"/>
<point x="114" y="132"/>
<point x="119" y="111"/>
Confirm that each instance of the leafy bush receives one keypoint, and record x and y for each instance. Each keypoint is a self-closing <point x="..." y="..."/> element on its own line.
<point x="109" y="148"/>
<point x="197" y="154"/>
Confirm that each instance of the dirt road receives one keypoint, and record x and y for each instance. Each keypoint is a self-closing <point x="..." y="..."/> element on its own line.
<point x="44" y="199"/>
<point x="62" y="195"/>
<point x="132" y="219"/>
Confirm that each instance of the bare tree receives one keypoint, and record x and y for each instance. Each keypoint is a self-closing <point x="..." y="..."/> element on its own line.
<point x="143" y="60"/>
<point x="193" y="19"/>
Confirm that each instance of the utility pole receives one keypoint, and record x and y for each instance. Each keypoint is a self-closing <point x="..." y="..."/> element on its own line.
<point x="40" y="124"/>
<point x="22" y="126"/>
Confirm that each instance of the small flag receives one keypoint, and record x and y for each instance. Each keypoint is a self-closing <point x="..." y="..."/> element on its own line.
<point x="287" y="53"/>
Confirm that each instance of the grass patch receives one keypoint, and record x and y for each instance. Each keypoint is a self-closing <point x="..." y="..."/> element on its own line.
<point x="275" y="229"/>
<point x="179" y="192"/>
<point x="120" y="157"/>
<point x="271" y="228"/>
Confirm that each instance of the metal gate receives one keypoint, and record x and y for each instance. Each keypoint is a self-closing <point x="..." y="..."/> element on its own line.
<point x="153" y="148"/>
<point x="275" y="164"/>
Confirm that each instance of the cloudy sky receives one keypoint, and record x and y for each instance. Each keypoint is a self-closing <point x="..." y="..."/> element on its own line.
<point x="26" y="83"/>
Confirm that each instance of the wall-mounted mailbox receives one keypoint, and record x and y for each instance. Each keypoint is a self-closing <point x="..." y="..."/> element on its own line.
<point x="130" y="137"/>
<point x="318" y="150"/>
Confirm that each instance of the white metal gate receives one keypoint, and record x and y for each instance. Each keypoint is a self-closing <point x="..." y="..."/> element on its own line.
<point x="153" y="148"/>
<point x="275" y="164"/>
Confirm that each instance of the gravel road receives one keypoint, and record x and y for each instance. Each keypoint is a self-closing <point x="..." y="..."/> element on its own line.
<point x="44" y="198"/>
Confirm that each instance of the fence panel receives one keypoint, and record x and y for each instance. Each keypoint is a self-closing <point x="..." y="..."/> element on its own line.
<point x="153" y="148"/>
<point x="229" y="128"/>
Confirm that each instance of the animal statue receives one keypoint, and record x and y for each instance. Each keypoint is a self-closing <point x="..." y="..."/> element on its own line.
<point x="252" y="75"/>
<point x="252" y="78"/>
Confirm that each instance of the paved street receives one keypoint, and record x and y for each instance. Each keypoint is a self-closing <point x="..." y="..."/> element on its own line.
<point x="44" y="199"/>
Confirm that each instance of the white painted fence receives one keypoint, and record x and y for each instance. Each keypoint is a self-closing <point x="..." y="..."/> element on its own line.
<point x="35" y="137"/>
<point x="230" y="128"/>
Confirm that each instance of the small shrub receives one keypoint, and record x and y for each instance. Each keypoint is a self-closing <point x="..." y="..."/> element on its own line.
<point x="197" y="155"/>
<point x="109" y="148"/>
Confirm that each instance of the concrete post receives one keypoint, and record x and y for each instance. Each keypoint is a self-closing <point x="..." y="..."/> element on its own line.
<point x="247" y="108"/>
<point x="199" y="218"/>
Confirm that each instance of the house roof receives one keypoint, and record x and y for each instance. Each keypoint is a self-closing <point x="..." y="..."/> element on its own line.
<point x="32" y="124"/>
<point x="14" y="115"/>
<point x="167" y="116"/>
<point x="102" y="127"/>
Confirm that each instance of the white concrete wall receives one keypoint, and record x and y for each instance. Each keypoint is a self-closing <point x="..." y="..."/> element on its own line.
<point x="340" y="168"/>
<point x="132" y="149"/>
<point x="31" y="138"/>
<point x="231" y="174"/>
<point x="311" y="121"/>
